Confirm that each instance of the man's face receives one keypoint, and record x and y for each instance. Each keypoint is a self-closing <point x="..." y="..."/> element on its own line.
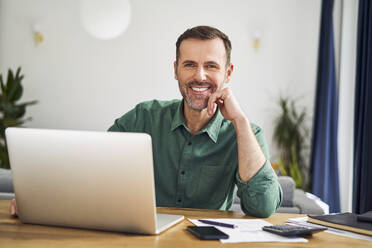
<point x="201" y="70"/>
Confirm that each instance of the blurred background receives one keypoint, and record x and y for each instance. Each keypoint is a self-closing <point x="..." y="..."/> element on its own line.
<point x="84" y="78"/>
<point x="82" y="82"/>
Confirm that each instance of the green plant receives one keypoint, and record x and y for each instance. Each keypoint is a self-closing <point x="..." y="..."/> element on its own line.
<point x="291" y="136"/>
<point x="11" y="112"/>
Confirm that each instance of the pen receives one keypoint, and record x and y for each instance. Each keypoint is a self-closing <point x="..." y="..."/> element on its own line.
<point x="215" y="223"/>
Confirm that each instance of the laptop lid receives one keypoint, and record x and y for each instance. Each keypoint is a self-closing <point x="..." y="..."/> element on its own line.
<point x="84" y="179"/>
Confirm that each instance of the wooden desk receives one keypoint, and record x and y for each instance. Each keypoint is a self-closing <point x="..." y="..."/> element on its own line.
<point x="15" y="234"/>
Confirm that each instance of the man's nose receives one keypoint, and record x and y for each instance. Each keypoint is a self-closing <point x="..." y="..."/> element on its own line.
<point x="200" y="74"/>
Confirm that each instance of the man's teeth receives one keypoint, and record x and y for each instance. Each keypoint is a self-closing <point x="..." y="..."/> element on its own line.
<point x="199" y="89"/>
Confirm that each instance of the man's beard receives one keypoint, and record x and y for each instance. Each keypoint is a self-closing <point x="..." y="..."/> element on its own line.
<point x="195" y="102"/>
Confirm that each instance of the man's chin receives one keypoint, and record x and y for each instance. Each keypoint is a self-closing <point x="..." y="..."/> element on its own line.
<point x="196" y="106"/>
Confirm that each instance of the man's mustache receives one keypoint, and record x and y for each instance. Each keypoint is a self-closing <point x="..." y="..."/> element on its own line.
<point x="197" y="83"/>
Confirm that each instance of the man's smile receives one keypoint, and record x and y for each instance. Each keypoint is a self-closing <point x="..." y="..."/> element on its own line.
<point x="200" y="90"/>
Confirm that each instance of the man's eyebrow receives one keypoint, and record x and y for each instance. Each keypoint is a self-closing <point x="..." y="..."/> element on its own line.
<point x="188" y="62"/>
<point x="211" y="62"/>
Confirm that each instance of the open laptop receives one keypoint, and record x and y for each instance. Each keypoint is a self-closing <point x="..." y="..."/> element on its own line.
<point x="84" y="179"/>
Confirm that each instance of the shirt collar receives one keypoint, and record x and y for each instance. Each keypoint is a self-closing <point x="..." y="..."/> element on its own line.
<point x="212" y="128"/>
<point x="178" y="119"/>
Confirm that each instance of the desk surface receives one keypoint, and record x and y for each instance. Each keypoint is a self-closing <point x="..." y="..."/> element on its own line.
<point x="15" y="234"/>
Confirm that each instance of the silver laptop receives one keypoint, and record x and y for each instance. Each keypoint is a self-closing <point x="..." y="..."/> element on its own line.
<point x="84" y="179"/>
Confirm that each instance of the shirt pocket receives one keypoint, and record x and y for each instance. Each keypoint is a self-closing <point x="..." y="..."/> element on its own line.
<point x="213" y="184"/>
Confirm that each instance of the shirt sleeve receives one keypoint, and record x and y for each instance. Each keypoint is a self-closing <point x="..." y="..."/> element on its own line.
<point x="126" y="123"/>
<point x="261" y="196"/>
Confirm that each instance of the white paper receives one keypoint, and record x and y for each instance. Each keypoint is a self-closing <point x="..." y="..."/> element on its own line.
<point x="303" y="221"/>
<point x="248" y="230"/>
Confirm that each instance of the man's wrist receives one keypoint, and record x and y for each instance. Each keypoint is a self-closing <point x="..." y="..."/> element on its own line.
<point x="242" y="120"/>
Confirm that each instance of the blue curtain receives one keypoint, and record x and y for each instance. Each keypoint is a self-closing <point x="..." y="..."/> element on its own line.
<point x="324" y="161"/>
<point x="362" y="195"/>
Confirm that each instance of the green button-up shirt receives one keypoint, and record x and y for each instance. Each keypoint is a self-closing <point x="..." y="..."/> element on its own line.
<point x="200" y="170"/>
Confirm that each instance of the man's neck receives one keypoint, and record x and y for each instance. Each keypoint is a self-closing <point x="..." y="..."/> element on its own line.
<point x="195" y="120"/>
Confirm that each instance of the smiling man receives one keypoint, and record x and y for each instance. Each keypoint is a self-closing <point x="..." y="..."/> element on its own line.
<point x="204" y="146"/>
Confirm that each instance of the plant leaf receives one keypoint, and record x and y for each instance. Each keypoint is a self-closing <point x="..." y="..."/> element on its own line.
<point x="15" y="90"/>
<point x="8" y="83"/>
<point x="2" y="83"/>
<point x="290" y="135"/>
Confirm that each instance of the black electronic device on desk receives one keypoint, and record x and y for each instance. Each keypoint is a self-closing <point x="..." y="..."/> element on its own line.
<point x="207" y="232"/>
<point x="293" y="230"/>
<point x="366" y="217"/>
<point x="352" y="222"/>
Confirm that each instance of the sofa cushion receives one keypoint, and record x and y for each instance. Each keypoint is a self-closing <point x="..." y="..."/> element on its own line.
<point x="6" y="196"/>
<point x="306" y="204"/>
<point x="288" y="187"/>
<point x="6" y="184"/>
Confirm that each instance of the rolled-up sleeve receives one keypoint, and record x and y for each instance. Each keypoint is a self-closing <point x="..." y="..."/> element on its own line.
<point x="261" y="196"/>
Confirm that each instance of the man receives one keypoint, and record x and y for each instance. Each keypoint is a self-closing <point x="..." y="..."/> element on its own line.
<point x="204" y="145"/>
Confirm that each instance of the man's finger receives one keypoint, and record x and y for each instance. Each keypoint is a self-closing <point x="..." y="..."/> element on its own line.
<point x="16" y="208"/>
<point x="13" y="208"/>
<point x="210" y="107"/>
<point x="212" y="100"/>
<point x="219" y="103"/>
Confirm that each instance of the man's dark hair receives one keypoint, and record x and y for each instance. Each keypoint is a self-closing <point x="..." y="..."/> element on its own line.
<point x="204" y="33"/>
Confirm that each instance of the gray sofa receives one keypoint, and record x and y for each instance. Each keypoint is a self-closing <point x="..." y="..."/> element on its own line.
<point x="295" y="201"/>
<point x="6" y="185"/>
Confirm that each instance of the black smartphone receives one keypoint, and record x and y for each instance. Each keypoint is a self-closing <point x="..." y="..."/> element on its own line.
<point x="207" y="232"/>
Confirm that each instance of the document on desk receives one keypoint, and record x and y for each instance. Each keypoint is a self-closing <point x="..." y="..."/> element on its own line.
<point x="248" y="230"/>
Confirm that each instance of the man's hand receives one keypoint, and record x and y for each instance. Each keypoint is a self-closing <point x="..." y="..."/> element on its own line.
<point x="227" y="104"/>
<point x="13" y="208"/>
<point x="250" y="156"/>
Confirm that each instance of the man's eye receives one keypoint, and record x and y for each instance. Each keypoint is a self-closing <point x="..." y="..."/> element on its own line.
<point x="189" y="65"/>
<point x="211" y="66"/>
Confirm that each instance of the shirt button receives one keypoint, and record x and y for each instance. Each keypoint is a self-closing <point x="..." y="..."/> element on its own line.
<point x="183" y="172"/>
<point x="190" y="143"/>
<point x="179" y="200"/>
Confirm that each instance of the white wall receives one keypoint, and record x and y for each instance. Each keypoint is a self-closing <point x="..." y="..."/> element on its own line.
<point x="84" y="83"/>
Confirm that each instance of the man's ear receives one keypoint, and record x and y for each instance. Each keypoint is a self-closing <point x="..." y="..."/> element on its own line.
<point x="229" y="71"/>
<point x="175" y="70"/>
